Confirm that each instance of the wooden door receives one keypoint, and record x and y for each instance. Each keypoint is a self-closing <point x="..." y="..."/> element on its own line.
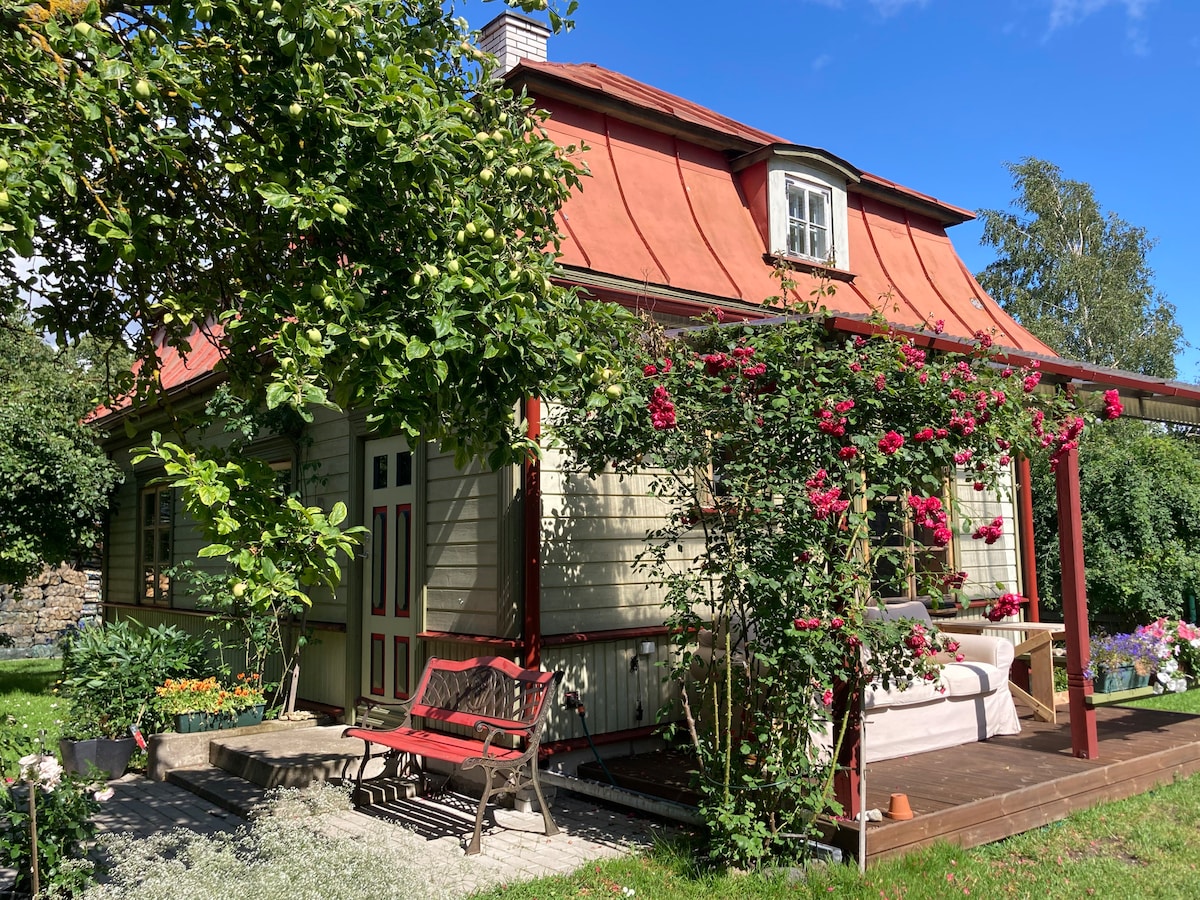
<point x="390" y="608"/>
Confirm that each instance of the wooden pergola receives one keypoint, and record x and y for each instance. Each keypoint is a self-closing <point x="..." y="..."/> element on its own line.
<point x="1143" y="397"/>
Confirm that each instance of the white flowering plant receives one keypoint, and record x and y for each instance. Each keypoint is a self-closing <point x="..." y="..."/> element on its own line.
<point x="38" y="792"/>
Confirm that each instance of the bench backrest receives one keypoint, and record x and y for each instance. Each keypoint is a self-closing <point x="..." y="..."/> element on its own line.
<point x="461" y="692"/>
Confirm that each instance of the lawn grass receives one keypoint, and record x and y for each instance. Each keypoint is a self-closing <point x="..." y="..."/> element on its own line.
<point x="1185" y="702"/>
<point x="27" y="694"/>
<point x="1144" y="847"/>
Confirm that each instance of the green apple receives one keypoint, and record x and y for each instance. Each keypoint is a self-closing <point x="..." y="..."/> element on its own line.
<point x="313" y="335"/>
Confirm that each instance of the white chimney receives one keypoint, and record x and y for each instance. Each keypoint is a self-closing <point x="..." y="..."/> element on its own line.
<point x="511" y="38"/>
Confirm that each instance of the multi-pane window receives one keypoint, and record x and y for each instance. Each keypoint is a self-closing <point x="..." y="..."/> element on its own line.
<point x="157" y="520"/>
<point x="808" y="211"/>
<point x="906" y="556"/>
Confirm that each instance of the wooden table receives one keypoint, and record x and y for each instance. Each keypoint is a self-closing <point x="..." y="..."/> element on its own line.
<point x="1038" y="640"/>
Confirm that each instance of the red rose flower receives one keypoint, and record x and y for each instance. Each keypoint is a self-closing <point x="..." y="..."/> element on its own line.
<point x="891" y="442"/>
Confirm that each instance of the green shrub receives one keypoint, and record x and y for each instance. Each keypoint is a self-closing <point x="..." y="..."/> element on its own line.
<point x="1140" y="490"/>
<point x="110" y="673"/>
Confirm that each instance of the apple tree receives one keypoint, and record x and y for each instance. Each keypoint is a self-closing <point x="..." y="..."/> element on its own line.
<point x="341" y="187"/>
<point x="337" y="192"/>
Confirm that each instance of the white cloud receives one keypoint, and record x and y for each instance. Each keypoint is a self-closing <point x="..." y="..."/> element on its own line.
<point x="1064" y="13"/>
<point x="822" y="61"/>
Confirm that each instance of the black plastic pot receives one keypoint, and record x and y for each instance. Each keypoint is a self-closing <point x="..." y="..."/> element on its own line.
<point x="105" y="754"/>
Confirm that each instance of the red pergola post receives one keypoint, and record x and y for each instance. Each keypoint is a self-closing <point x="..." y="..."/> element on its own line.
<point x="1028" y="545"/>
<point x="1084" y="742"/>
<point x="845" y="778"/>
<point x="532" y="489"/>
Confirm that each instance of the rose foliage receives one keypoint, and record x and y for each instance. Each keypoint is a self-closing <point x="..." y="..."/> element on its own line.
<point x="778" y="449"/>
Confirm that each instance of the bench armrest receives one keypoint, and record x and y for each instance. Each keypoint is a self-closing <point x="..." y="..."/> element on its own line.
<point x="501" y="725"/>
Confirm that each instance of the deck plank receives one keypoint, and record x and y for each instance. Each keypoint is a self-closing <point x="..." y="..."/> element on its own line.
<point x="984" y="792"/>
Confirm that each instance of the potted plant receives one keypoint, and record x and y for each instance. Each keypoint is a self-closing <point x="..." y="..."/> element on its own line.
<point x="203" y="704"/>
<point x="190" y="703"/>
<point x="109" y="674"/>
<point x="246" y="700"/>
<point x="1121" y="661"/>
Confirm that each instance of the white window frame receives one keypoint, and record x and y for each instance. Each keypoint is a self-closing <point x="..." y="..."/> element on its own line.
<point x="785" y="172"/>
<point x="802" y="230"/>
<point x="156" y="544"/>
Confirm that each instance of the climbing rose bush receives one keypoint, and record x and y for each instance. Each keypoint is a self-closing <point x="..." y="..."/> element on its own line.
<point x="803" y="472"/>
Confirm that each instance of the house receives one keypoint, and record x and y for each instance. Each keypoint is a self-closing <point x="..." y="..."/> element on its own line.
<point x="685" y="210"/>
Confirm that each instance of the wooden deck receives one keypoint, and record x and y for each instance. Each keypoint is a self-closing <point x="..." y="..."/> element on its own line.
<point x="984" y="792"/>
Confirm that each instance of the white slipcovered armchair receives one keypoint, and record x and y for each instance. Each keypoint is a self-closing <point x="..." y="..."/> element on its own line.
<point x="969" y="702"/>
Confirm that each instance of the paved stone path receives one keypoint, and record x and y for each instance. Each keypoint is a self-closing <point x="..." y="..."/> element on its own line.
<point x="515" y="851"/>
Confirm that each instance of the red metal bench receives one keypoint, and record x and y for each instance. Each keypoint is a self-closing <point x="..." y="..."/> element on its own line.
<point x="491" y="695"/>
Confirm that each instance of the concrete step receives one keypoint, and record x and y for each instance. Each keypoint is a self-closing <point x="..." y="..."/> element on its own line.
<point x="172" y="750"/>
<point x="294" y="758"/>
<point x="229" y="792"/>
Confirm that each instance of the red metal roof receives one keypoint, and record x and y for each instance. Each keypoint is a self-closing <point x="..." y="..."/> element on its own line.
<point x="178" y="368"/>
<point x="660" y="210"/>
<point x="607" y="83"/>
<point x="607" y="87"/>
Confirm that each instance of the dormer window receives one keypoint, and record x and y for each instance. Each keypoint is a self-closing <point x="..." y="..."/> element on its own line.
<point x="804" y="203"/>
<point x="808" y="219"/>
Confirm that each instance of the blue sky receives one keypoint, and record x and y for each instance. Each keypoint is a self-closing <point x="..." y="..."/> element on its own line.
<point x="938" y="94"/>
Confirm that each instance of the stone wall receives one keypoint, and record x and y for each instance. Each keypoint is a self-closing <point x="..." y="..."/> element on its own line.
<point x="35" y="616"/>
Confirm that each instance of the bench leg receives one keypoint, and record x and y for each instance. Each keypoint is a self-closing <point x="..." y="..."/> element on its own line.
<point x="357" y="797"/>
<point x="551" y="828"/>
<point x="473" y="847"/>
